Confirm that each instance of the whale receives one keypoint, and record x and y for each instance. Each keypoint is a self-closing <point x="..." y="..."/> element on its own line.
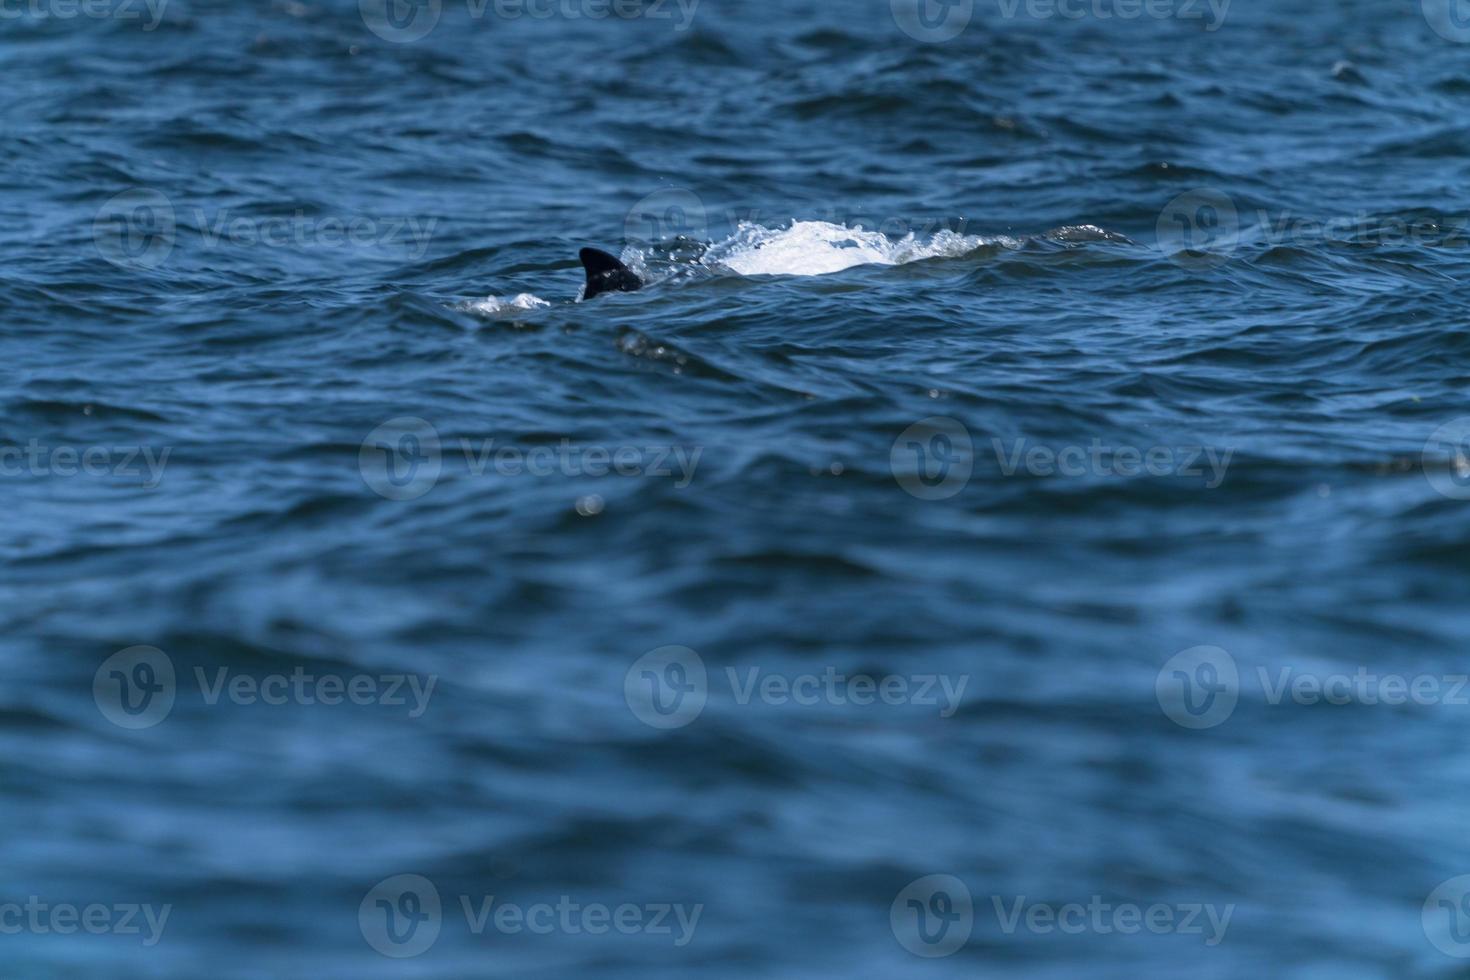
<point x="605" y="274"/>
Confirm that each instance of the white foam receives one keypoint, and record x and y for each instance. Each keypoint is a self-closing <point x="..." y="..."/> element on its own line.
<point x="492" y="305"/>
<point x="817" y="248"/>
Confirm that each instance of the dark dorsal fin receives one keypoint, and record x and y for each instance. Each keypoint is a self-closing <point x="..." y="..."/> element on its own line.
<point x="605" y="274"/>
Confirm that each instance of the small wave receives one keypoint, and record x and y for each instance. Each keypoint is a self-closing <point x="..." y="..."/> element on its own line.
<point x="1078" y="234"/>
<point x="818" y="248"/>
<point x="492" y="305"/>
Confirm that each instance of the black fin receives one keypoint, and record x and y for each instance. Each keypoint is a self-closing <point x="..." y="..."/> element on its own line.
<point x="606" y="274"/>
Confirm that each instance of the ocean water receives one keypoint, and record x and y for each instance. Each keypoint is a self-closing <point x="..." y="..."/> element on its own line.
<point x="1019" y="530"/>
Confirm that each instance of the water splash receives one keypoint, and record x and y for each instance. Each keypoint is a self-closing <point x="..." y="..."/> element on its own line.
<point x="493" y="305"/>
<point x="818" y="248"/>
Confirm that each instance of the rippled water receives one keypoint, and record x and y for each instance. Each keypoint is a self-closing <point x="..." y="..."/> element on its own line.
<point x="1026" y="416"/>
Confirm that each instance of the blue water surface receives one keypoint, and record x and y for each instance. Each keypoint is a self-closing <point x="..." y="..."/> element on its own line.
<point x="1018" y="530"/>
